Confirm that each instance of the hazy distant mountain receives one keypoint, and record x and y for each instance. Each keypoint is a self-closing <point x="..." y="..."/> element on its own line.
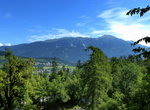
<point x="72" y="49"/>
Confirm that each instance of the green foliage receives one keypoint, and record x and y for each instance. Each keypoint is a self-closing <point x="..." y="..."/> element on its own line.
<point x="127" y="77"/>
<point x="96" y="79"/>
<point x="142" y="98"/>
<point x="54" y="69"/>
<point x="98" y="84"/>
<point x="13" y="78"/>
<point x="79" y="64"/>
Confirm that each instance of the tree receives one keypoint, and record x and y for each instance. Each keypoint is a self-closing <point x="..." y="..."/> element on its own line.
<point x="143" y="95"/>
<point x="96" y="79"/>
<point x="54" y="66"/>
<point x="79" y="64"/>
<point x="13" y="78"/>
<point x="143" y="52"/>
<point x="54" y="69"/>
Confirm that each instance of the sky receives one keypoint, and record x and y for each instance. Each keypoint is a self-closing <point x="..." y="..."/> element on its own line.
<point x="25" y="21"/>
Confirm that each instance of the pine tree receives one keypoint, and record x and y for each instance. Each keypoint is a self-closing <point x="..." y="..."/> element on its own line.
<point x="96" y="79"/>
<point x="14" y="76"/>
<point x="54" y="69"/>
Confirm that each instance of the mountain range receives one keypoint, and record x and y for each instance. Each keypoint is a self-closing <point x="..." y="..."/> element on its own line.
<point x="72" y="48"/>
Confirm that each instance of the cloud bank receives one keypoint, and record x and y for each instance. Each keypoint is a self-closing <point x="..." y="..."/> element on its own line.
<point x="7" y="44"/>
<point x="123" y="26"/>
<point x="55" y="34"/>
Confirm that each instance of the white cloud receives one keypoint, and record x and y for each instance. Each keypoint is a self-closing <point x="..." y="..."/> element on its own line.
<point x="84" y="19"/>
<point x="56" y="33"/>
<point x="1" y="44"/>
<point x="115" y="13"/>
<point x="123" y="26"/>
<point x="7" y="44"/>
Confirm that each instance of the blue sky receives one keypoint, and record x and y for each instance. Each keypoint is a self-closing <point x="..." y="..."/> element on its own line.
<point x="24" y="21"/>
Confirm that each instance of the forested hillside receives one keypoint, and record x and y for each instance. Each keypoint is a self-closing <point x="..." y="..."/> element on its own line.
<point x="100" y="83"/>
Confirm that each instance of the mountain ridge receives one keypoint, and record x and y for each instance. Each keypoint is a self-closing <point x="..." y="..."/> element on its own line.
<point x="72" y="48"/>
